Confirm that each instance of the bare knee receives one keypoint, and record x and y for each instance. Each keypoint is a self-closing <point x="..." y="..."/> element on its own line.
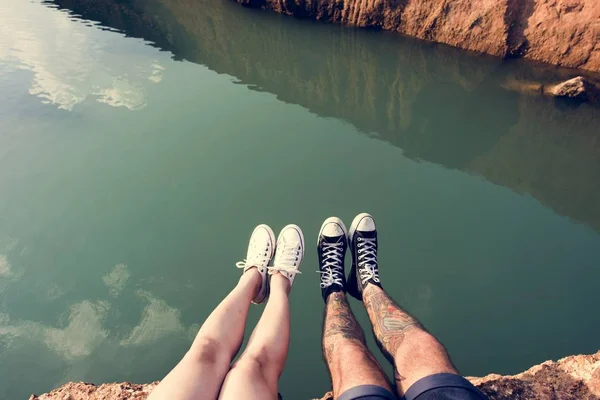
<point x="265" y="357"/>
<point x="346" y="351"/>
<point x="351" y="364"/>
<point x="260" y="362"/>
<point x="421" y="349"/>
<point x="424" y="343"/>
<point x="247" y="377"/>
<point x="249" y="365"/>
<point x="207" y="351"/>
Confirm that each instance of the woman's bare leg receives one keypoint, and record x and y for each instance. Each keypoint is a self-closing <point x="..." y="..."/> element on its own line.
<point x="255" y="374"/>
<point x="200" y="373"/>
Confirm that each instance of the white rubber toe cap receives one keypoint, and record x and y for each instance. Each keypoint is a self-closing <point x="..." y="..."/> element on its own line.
<point x="333" y="227"/>
<point x="291" y="233"/>
<point x="263" y="234"/>
<point x="362" y="222"/>
<point x="366" y="224"/>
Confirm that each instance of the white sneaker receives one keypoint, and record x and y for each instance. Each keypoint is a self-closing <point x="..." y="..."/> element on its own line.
<point x="290" y="252"/>
<point x="260" y="251"/>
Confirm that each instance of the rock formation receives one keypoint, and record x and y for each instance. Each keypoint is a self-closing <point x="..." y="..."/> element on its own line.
<point x="107" y="391"/>
<point x="576" y="88"/>
<point x="560" y="32"/>
<point x="571" y="378"/>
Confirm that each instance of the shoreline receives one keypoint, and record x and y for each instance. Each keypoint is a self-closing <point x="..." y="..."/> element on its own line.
<point x="570" y="378"/>
<point x="562" y="33"/>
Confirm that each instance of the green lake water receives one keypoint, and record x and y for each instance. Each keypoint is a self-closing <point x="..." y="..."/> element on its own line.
<point x="141" y="142"/>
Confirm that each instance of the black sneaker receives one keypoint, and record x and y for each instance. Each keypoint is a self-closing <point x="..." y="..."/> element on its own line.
<point x="331" y="249"/>
<point x="363" y="246"/>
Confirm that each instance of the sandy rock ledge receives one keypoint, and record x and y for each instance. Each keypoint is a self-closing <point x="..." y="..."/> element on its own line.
<point x="570" y="378"/>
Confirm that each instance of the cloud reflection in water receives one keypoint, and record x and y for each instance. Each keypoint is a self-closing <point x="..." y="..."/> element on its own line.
<point x="85" y="329"/>
<point x="72" y="60"/>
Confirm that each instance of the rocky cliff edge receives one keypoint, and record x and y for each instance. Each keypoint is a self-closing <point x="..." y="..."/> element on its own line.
<point x="560" y="32"/>
<point x="570" y="378"/>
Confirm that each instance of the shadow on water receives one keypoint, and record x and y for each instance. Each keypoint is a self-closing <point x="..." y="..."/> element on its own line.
<point x="438" y="104"/>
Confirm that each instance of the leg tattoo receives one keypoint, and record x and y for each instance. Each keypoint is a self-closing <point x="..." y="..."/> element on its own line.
<point x="341" y="328"/>
<point x="390" y="323"/>
<point x="348" y="359"/>
<point x="339" y="321"/>
<point x="413" y="352"/>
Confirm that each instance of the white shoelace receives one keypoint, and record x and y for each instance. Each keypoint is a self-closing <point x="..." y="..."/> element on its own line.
<point x="367" y="259"/>
<point x="333" y="256"/>
<point x="258" y="259"/>
<point x="287" y="259"/>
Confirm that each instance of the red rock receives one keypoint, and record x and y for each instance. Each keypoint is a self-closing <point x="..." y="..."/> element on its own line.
<point x="560" y="32"/>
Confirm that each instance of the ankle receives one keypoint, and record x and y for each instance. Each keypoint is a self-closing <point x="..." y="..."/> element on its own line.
<point x="336" y="295"/>
<point x="280" y="283"/>
<point x="251" y="279"/>
<point x="333" y="289"/>
<point x="371" y="288"/>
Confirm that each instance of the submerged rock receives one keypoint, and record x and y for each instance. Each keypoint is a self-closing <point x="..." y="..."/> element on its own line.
<point x="570" y="378"/>
<point x="576" y="88"/>
<point x="560" y="32"/>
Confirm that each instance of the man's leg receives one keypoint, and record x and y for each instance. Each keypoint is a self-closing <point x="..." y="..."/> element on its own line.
<point x="349" y="361"/>
<point x="354" y="371"/>
<point x="202" y="370"/>
<point x="422" y="367"/>
<point x="255" y="374"/>
<point x="414" y="352"/>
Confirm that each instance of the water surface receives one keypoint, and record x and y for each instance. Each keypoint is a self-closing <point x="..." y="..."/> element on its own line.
<point x="141" y="141"/>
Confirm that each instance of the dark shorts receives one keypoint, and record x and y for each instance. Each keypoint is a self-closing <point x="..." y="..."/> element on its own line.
<point x="432" y="387"/>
